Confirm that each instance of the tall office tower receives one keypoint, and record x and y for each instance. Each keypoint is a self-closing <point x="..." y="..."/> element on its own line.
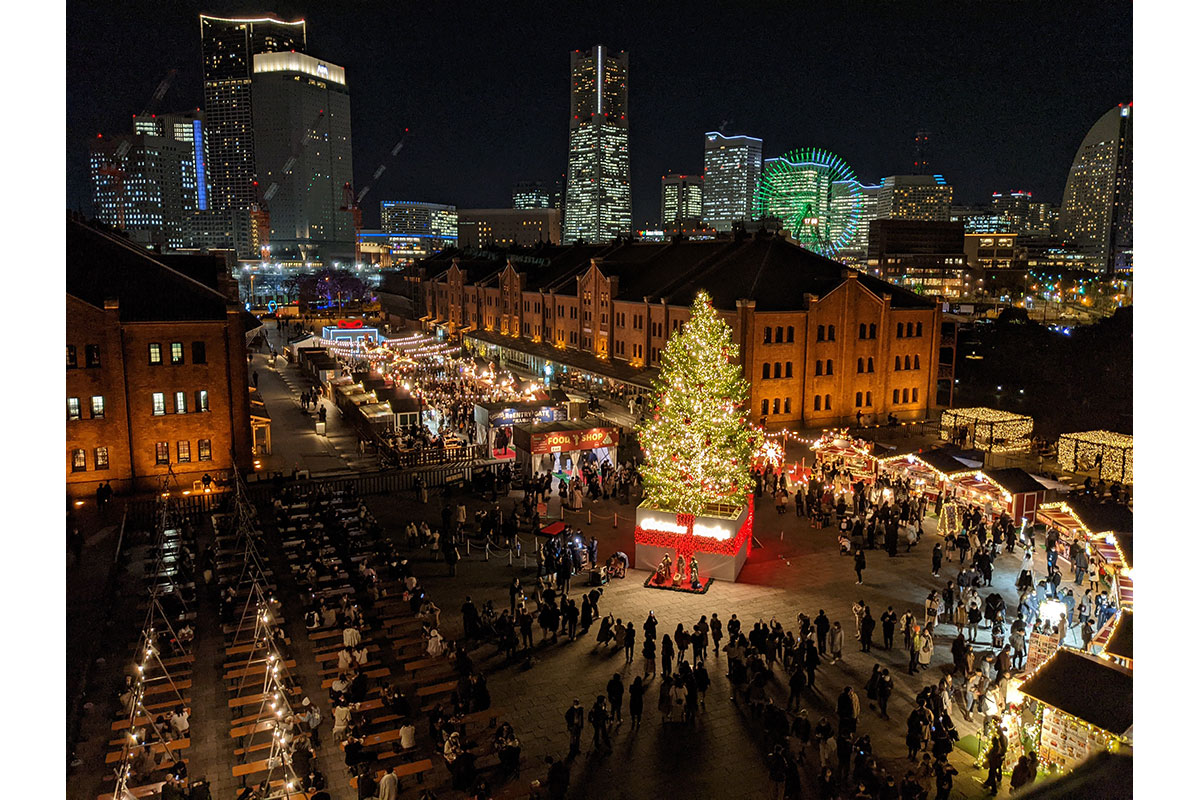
<point x="228" y="47"/>
<point x="921" y="154"/>
<point x="1014" y="207"/>
<point x="415" y="230"/>
<point x="530" y="194"/>
<point x="855" y="252"/>
<point x="924" y="197"/>
<point x="302" y="144"/>
<point x="144" y="185"/>
<point x="598" y="204"/>
<point x="732" y="165"/>
<point x="1097" y="205"/>
<point x="682" y="198"/>
<point x="184" y="126"/>
<point x="1043" y="218"/>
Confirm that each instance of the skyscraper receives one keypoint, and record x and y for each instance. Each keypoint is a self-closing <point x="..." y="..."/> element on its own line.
<point x="302" y="144"/>
<point x="921" y="154"/>
<point x="415" y="230"/>
<point x="682" y="198"/>
<point x="184" y="126"/>
<point x="1097" y="205"/>
<point x="530" y="194"/>
<point x="228" y="47"/>
<point x="598" y="204"/>
<point x="144" y="185"/>
<point x="923" y="197"/>
<point x="732" y="165"/>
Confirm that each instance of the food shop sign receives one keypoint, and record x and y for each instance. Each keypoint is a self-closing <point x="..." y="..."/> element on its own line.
<point x="559" y="441"/>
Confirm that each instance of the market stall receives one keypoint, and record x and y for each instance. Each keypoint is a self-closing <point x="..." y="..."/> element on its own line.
<point x="561" y="447"/>
<point x="986" y="429"/>
<point x="1104" y="528"/>
<point x="1081" y="705"/>
<point x="1009" y="490"/>
<point x="1116" y="639"/>
<point x="1111" y="452"/>
<point x="837" y="447"/>
<point x="495" y="422"/>
<point x="927" y="468"/>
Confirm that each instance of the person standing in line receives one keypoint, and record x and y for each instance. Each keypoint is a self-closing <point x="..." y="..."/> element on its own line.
<point x="715" y="629"/>
<point x="668" y="655"/>
<point x="821" y="623"/>
<point x="599" y="718"/>
<point x="649" y="651"/>
<point x="616" y="696"/>
<point x="630" y="635"/>
<point x="867" y="630"/>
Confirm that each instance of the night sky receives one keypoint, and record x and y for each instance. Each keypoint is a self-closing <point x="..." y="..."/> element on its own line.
<point x="1007" y="89"/>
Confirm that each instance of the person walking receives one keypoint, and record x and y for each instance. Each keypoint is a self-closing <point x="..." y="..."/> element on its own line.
<point x="821" y="623"/>
<point x="867" y="630"/>
<point x="835" y="642"/>
<point x="887" y="621"/>
<point x="574" y="726"/>
<point x="636" y="690"/>
<point x="714" y="626"/>
<point x="883" y="691"/>
<point x="600" y="719"/>
<point x="860" y="563"/>
<point x="937" y="560"/>
<point x="668" y="655"/>
<point x="629" y="637"/>
<point x="616" y="696"/>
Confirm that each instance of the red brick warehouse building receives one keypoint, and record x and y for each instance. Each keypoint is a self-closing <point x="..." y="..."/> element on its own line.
<point x="156" y="368"/>
<point x="819" y="341"/>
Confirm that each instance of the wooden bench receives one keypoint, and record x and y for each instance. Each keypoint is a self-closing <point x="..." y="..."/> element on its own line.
<point x="249" y="647"/>
<point x="253" y="699"/>
<point x="175" y="746"/>
<point x="165" y="687"/>
<point x="381" y="672"/>
<point x="123" y="724"/>
<point x="333" y="671"/>
<point x="437" y="689"/>
<point x="158" y="708"/>
<point x="251" y="729"/>
<point x="256" y="669"/>
<point x="425" y="663"/>
<point x="401" y="771"/>
<point x="332" y="655"/>
<point x="144" y="791"/>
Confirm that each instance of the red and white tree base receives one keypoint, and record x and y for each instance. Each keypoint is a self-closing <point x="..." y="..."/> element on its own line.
<point x="720" y="544"/>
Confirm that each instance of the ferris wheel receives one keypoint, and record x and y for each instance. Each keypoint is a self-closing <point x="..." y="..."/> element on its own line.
<point x="815" y="195"/>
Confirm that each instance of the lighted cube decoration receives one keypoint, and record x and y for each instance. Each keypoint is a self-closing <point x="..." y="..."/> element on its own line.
<point x="987" y="429"/>
<point x="699" y="446"/>
<point x="1081" y="452"/>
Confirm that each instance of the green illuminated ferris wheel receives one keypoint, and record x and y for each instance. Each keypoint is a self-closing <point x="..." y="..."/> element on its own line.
<point x="815" y="195"/>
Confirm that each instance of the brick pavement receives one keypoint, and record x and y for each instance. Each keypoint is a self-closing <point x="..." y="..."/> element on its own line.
<point x="801" y="572"/>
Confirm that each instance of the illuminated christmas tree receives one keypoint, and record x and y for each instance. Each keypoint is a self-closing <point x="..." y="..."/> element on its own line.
<point x="698" y="441"/>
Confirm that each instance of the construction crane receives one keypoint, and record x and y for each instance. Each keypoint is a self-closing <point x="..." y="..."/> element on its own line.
<point x="352" y="203"/>
<point x="114" y="169"/>
<point x="260" y="212"/>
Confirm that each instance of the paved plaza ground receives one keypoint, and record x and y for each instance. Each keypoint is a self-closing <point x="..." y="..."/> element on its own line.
<point x="793" y="568"/>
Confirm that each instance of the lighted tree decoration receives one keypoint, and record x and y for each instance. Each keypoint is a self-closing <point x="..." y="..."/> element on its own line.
<point x="698" y="441"/>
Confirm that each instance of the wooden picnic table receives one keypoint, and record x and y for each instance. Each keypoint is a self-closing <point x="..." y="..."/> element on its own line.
<point x="400" y="771"/>
<point x="123" y="724"/>
<point x="174" y="746"/>
<point x="381" y="672"/>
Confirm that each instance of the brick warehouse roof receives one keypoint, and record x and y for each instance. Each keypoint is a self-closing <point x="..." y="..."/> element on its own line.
<point x="773" y="271"/>
<point x="103" y="266"/>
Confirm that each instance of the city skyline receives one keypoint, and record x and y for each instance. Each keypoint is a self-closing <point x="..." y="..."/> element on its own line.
<point x="999" y="129"/>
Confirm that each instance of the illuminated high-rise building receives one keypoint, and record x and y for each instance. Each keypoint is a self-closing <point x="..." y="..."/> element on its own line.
<point x="921" y="154"/>
<point x="416" y="230"/>
<point x="1097" y="205"/>
<point x="732" y="165"/>
<point x="921" y="197"/>
<point x="302" y="151"/>
<point x="531" y="194"/>
<point x="1013" y="207"/>
<point x="228" y="47"/>
<point x="185" y="126"/>
<point x="598" y="205"/>
<point x="144" y="185"/>
<point x="682" y="198"/>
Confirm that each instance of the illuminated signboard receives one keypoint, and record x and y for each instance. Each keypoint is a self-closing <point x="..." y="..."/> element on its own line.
<point x="558" y="441"/>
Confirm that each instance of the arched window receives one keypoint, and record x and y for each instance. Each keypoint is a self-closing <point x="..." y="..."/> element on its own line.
<point x="860" y="365"/>
<point x="862" y="330"/>
<point x="916" y="362"/>
<point x="831" y="337"/>
<point x="775" y="406"/>
<point x="868" y="398"/>
<point x="904" y="396"/>
<point x="858" y="399"/>
<point x="918" y="329"/>
<point x="767" y="335"/>
<point x="907" y="362"/>
<point x="766" y="370"/>
<point x="820" y="333"/>
<point x="816" y="403"/>
<point x="899" y="330"/>
<point x="914" y="395"/>
<point x="829" y="366"/>
<point x="766" y="406"/>
<point x="828" y="402"/>
<point x="787" y="370"/>
<point x="787" y="405"/>
<point x="820" y="367"/>
<point x="908" y="330"/>
<point x="791" y="334"/>
<point x="778" y="369"/>
<point x="779" y="334"/>
<point x="870" y="367"/>
<point x="871" y="333"/>
<point x="897" y="362"/>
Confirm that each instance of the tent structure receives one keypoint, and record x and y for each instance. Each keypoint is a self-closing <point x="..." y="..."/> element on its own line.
<point x="987" y="429"/>
<point x="1111" y="452"/>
